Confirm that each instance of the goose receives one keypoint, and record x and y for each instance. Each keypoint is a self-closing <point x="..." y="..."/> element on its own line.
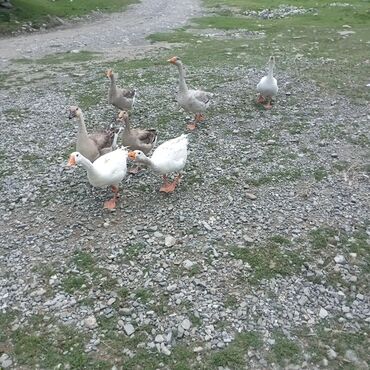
<point x="94" y="145"/>
<point x="120" y="98"/>
<point x="107" y="170"/>
<point x="193" y="101"/>
<point x="169" y="157"/>
<point x="267" y="87"/>
<point x="136" y="138"/>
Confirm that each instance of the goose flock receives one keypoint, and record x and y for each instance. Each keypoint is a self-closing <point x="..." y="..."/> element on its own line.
<point x="106" y="162"/>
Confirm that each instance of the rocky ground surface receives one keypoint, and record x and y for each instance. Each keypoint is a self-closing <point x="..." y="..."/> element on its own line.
<point x="266" y="232"/>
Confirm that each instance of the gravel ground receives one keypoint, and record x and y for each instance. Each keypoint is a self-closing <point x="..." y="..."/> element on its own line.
<point x="277" y="181"/>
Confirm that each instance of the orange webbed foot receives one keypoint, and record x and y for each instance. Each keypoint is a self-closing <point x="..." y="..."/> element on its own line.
<point x="110" y="204"/>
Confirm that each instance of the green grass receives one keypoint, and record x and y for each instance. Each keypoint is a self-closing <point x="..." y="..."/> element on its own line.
<point x="284" y="351"/>
<point x="38" y="12"/>
<point x="34" y="346"/>
<point x="268" y="261"/>
<point x="233" y="356"/>
<point x="315" y="343"/>
<point x="276" y="176"/>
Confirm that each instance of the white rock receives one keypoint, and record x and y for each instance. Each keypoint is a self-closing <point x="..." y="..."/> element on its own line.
<point x="198" y="349"/>
<point x="90" y="322"/>
<point x="323" y="313"/>
<point x="188" y="264"/>
<point x="159" y="338"/>
<point x="186" y="324"/>
<point x="339" y="258"/>
<point x="169" y="241"/>
<point x="351" y="356"/>
<point x="331" y="354"/>
<point x="129" y="329"/>
<point x="251" y="196"/>
<point x="111" y="301"/>
<point x="165" y="350"/>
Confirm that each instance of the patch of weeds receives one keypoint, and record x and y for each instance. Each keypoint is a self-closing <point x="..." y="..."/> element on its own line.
<point x="268" y="261"/>
<point x="123" y="292"/>
<point x="279" y="239"/>
<point x="284" y="350"/>
<point x="233" y="356"/>
<point x="134" y="250"/>
<point x="161" y="305"/>
<point x="340" y="339"/>
<point x="320" y="237"/>
<point x="6" y="318"/>
<point x="74" y="282"/>
<point x="341" y="166"/>
<point x="320" y="174"/>
<point x="40" y="346"/>
<point x="145" y="295"/>
<point x="230" y="301"/>
<point x="108" y="283"/>
<point x="277" y="176"/>
<point x="194" y="270"/>
<point x="84" y="261"/>
<point x="360" y="140"/>
<point x="264" y="135"/>
<point x="195" y="320"/>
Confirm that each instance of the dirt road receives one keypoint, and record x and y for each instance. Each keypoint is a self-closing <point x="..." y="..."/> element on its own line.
<point x="109" y="34"/>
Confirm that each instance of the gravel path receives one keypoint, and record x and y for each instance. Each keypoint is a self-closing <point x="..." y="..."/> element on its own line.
<point x="110" y="34"/>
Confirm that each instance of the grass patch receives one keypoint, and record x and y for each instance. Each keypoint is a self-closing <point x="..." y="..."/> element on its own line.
<point x="284" y="351"/>
<point x="233" y="356"/>
<point x="329" y="335"/>
<point x="38" y="346"/>
<point x="277" y="176"/>
<point x="268" y="261"/>
<point x="74" y="282"/>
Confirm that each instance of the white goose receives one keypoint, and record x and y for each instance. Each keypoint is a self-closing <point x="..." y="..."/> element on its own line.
<point x="107" y="170"/>
<point x="168" y="157"/>
<point x="268" y="87"/>
<point x="193" y="101"/>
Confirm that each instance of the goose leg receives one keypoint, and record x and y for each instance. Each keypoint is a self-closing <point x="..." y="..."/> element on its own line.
<point x="169" y="187"/>
<point x="268" y="104"/>
<point x="111" y="203"/>
<point x="134" y="170"/>
<point x="261" y="99"/>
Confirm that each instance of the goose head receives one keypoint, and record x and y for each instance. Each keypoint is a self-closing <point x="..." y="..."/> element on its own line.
<point x="122" y="116"/>
<point x="136" y="155"/>
<point x="272" y="60"/>
<point x="174" y="60"/>
<point x="109" y="73"/>
<point x="74" y="112"/>
<point x="74" y="159"/>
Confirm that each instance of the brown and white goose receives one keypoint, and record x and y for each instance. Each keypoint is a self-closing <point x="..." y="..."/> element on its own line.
<point x="120" y="98"/>
<point x="136" y="138"/>
<point x="92" y="146"/>
<point x="193" y="101"/>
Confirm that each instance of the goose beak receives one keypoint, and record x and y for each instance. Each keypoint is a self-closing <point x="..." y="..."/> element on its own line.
<point x="132" y="155"/>
<point x="172" y="60"/>
<point x="71" y="161"/>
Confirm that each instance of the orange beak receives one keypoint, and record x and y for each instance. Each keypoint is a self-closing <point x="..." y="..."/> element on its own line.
<point x="71" y="161"/>
<point x="172" y="60"/>
<point x="132" y="155"/>
<point x="108" y="73"/>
